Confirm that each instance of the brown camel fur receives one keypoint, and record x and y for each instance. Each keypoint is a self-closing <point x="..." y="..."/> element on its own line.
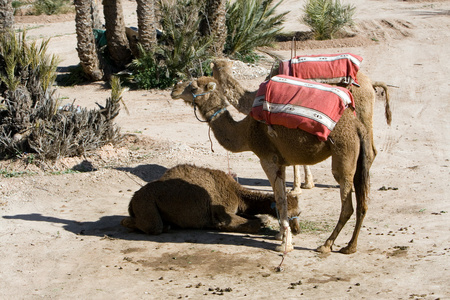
<point x="187" y="196"/>
<point x="242" y="100"/>
<point x="348" y="144"/>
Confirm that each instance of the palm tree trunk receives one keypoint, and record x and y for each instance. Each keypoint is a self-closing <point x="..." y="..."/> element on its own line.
<point x="214" y="25"/>
<point x="6" y="15"/>
<point x="87" y="51"/>
<point x="96" y="22"/>
<point x="116" y="37"/>
<point x="146" y="23"/>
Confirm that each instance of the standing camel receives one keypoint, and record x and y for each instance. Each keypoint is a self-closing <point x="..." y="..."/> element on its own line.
<point x="348" y="144"/>
<point x="242" y="99"/>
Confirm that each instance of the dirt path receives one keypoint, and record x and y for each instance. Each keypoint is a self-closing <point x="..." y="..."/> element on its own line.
<point x="61" y="237"/>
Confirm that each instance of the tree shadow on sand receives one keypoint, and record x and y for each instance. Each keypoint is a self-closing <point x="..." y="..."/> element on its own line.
<point x="109" y="227"/>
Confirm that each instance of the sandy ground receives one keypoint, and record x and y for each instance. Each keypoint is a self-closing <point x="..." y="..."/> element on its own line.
<point x="60" y="233"/>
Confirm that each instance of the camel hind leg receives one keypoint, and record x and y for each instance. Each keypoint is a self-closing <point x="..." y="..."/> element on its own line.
<point x="346" y="212"/>
<point x="297" y="186"/>
<point x="362" y="187"/>
<point x="349" y="169"/>
<point x="309" y="181"/>
<point x="343" y="166"/>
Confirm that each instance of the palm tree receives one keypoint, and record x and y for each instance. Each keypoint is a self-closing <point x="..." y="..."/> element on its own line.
<point x="86" y="48"/>
<point x="96" y="22"/>
<point x="214" y="25"/>
<point x="116" y="37"/>
<point x="146" y="23"/>
<point x="6" y="15"/>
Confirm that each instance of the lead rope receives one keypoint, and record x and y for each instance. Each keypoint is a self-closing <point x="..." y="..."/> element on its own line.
<point x="280" y="268"/>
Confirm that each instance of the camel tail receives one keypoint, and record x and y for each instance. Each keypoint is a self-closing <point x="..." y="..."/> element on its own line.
<point x="361" y="179"/>
<point x="387" y="108"/>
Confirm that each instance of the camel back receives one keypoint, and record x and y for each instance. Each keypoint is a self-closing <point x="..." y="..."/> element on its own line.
<point x="297" y="103"/>
<point x="325" y="68"/>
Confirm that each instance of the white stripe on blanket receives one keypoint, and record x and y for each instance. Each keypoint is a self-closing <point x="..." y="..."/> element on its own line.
<point x="338" y="92"/>
<point x="327" y="58"/>
<point x="295" y="110"/>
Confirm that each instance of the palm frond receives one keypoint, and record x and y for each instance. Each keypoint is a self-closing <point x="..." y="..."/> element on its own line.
<point x="252" y="24"/>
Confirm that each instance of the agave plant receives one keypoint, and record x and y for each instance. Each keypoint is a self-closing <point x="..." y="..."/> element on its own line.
<point x="327" y="17"/>
<point x="252" y="24"/>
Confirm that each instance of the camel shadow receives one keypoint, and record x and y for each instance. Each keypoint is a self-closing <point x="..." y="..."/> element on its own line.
<point x="264" y="182"/>
<point x="148" y="173"/>
<point x="109" y="227"/>
<point x="152" y="172"/>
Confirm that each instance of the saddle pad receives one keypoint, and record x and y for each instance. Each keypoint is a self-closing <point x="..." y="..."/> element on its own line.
<point x="297" y="103"/>
<point x="328" y="68"/>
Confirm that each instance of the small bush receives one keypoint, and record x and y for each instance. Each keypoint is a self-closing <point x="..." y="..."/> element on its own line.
<point x="327" y="17"/>
<point x="147" y="73"/>
<point x="52" y="7"/>
<point x="31" y="118"/>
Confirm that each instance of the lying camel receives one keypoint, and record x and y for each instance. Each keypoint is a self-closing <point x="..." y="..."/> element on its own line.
<point x="242" y="99"/>
<point x="187" y="196"/>
<point x="349" y="146"/>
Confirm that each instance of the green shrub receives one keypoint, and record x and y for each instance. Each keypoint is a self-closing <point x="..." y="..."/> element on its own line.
<point x="327" y="17"/>
<point x="51" y="7"/>
<point x="147" y="73"/>
<point x="181" y="46"/>
<point x="251" y="24"/>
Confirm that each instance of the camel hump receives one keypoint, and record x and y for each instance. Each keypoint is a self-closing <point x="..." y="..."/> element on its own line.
<point x="387" y="108"/>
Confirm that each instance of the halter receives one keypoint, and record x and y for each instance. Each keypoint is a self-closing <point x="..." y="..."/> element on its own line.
<point x="195" y="106"/>
<point x="274" y="206"/>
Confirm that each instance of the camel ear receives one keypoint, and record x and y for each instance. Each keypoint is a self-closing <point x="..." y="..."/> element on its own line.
<point x="211" y="86"/>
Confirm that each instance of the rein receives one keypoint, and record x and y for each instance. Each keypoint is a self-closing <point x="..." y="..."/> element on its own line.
<point x="194" y="96"/>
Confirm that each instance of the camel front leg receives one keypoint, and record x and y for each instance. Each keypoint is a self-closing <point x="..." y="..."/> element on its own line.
<point x="277" y="177"/>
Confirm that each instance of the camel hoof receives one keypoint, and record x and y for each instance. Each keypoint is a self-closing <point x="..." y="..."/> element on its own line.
<point x="284" y="248"/>
<point x="348" y="250"/>
<point x="308" y="185"/>
<point x="323" y="249"/>
<point x="295" y="191"/>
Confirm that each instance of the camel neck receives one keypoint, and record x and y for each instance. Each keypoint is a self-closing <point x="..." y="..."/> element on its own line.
<point x="257" y="203"/>
<point x="239" y="97"/>
<point x="232" y="135"/>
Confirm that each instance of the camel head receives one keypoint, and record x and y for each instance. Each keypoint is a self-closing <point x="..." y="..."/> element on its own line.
<point x="221" y="65"/>
<point x="202" y="93"/>
<point x="190" y="90"/>
<point x="293" y="213"/>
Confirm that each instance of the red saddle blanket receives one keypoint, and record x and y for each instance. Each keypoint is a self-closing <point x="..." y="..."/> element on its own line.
<point x="297" y="103"/>
<point x="327" y="68"/>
